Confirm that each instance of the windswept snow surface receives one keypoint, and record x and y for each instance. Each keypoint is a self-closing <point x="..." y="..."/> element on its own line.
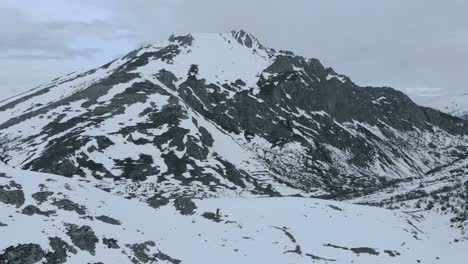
<point x="254" y="230"/>
<point x="456" y="105"/>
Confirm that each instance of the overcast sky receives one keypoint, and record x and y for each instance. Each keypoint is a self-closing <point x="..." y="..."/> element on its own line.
<point x="419" y="46"/>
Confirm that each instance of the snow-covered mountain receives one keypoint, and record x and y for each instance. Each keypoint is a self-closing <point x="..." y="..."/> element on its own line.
<point x="220" y="117"/>
<point x="212" y="113"/>
<point x="456" y="105"/>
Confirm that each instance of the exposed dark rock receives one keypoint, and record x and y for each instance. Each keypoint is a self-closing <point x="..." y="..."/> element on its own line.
<point x="22" y="254"/>
<point x="13" y="197"/>
<point x="356" y="250"/>
<point x="32" y="210"/>
<point x="111" y="243"/>
<point x="335" y="246"/>
<point x="140" y="251"/>
<point x="142" y="254"/>
<point x="82" y="237"/>
<point x="185" y="205"/>
<point x="157" y="201"/>
<point x="108" y="220"/>
<point x="318" y="258"/>
<point x="41" y="196"/>
<point x="68" y="205"/>
<point x="392" y="253"/>
<point x="164" y="257"/>
<point x="60" y="251"/>
<point x="334" y="207"/>
<point x="216" y="217"/>
<point x="2" y="224"/>
<point x="366" y="250"/>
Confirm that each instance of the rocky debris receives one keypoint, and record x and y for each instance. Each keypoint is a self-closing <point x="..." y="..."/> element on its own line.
<point x="356" y="250"/>
<point x="60" y="250"/>
<point x="364" y="250"/>
<point x="2" y="224"/>
<point x="314" y="257"/>
<point x="15" y="185"/>
<point x="392" y="253"/>
<point x="82" y="237"/>
<point x="157" y="201"/>
<point x="13" y="197"/>
<point x="22" y="254"/>
<point x="108" y="220"/>
<point x="41" y="197"/>
<point x="216" y="217"/>
<point x="297" y="249"/>
<point x="185" y="205"/>
<point x="68" y="205"/>
<point x="142" y="254"/>
<point x="164" y="257"/>
<point x="111" y="243"/>
<point x="334" y="207"/>
<point x="32" y="210"/>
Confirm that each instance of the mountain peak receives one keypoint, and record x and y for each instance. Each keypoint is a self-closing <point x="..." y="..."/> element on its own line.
<point x="246" y="39"/>
<point x="242" y="37"/>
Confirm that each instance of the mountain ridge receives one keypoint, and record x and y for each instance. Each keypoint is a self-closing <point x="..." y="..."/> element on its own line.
<point x="265" y="102"/>
<point x="215" y="142"/>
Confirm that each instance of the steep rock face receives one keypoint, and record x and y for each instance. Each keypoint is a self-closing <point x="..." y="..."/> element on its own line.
<point x="212" y="114"/>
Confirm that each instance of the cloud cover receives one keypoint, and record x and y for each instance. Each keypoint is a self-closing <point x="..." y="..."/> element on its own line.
<point x="416" y="46"/>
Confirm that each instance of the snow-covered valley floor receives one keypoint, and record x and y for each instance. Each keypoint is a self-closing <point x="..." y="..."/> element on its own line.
<point x="58" y="219"/>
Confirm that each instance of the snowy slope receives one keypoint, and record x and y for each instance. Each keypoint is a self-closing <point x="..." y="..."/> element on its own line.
<point x="216" y="115"/>
<point x="88" y="225"/>
<point x="456" y="105"/>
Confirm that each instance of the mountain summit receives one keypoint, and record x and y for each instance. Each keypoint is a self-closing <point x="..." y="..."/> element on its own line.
<point x="211" y="113"/>
<point x="170" y="125"/>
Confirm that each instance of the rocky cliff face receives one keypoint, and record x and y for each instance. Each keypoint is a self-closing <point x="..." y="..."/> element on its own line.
<point x="221" y="114"/>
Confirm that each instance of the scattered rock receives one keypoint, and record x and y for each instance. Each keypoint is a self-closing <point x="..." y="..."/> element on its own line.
<point x="2" y="224"/>
<point x="165" y="257"/>
<point x="318" y="258"/>
<point x="32" y="210"/>
<point x="216" y="217"/>
<point x="335" y="207"/>
<point x="157" y="201"/>
<point x="366" y="250"/>
<point x="41" y="196"/>
<point x="22" y="254"/>
<point x="356" y="250"/>
<point x="185" y="205"/>
<point x="13" y="197"/>
<point x="392" y="253"/>
<point x="110" y="243"/>
<point x="83" y="237"/>
<point x="68" y="205"/>
<point x="16" y="185"/>
<point x="140" y="252"/>
<point x="108" y="220"/>
<point x="60" y="249"/>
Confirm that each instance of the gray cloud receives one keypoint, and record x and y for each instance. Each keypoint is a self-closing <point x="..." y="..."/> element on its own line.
<point x="418" y="46"/>
<point x="415" y="46"/>
<point x="23" y="38"/>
